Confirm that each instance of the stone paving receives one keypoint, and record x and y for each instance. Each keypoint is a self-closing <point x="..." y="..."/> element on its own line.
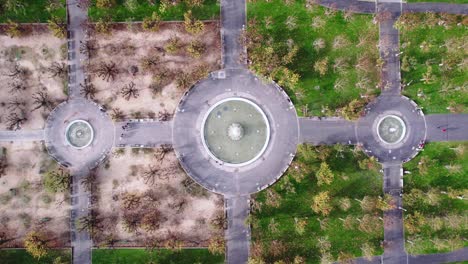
<point x="287" y="130"/>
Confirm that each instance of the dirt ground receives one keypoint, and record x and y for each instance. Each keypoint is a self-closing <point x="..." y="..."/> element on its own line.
<point x="184" y="215"/>
<point x="24" y="205"/>
<point x="128" y="48"/>
<point x="35" y="53"/>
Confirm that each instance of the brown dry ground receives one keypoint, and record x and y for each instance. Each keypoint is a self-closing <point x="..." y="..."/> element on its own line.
<point x="183" y="216"/>
<point x="127" y="48"/>
<point x="35" y="52"/>
<point x="22" y="197"/>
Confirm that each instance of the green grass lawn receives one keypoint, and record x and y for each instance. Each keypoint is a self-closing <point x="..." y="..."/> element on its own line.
<point x="275" y="232"/>
<point x="142" y="256"/>
<point x="442" y="50"/>
<point x="438" y="176"/>
<point x="20" y="256"/>
<point x="33" y="11"/>
<point x="119" y="13"/>
<point x="276" y="29"/>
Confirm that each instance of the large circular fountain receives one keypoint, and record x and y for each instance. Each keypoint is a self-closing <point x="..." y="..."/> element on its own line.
<point x="235" y="131"/>
<point x="391" y="129"/>
<point x="79" y="134"/>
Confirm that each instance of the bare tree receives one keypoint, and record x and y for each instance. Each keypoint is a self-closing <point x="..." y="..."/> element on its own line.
<point x="89" y="181"/>
<point x="18" y="72"/>
<point x="58" y="69"/>
<point x="164" y="115"/>
<point x="3" y="163"/>
<point x="88" y="48"/>
<point x="129" y="91"/>
<point x="107" y="71"/>
<point x="88" y="90"/>
<point x="42" y="100"/>
<point x="117" y="114"/>
<point x="150" y="174"/>
<point x="162" y="151"/>
<point x="16" y="104"/>
<point x="17" y="86"/>
<point x="15" y="120"/>
<point x="91" y="222"/>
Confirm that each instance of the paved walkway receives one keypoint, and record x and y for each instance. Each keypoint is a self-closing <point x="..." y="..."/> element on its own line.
<point x="369" y="6"/>
<point x="76" y="34"/>
<point x="448" y="127"/>
<point x="143" y="134"/>
<point x="80" y="240"/>
<point x="328" y="131"/>
<point x="80" y="160"/>
<point x="233" y="21"/>
<point x="237" y="233"/>
<point x="460" y="9"/>
<point x="389" y="47"/>
<point x="394" y="239"/>
<point x="22" y="135"/>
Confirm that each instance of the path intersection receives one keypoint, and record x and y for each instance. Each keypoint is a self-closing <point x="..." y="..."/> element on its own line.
<point x="185" y="130"/>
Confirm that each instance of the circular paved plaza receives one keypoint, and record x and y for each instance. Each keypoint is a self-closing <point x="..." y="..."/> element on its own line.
<point x="79" y="134"/>
<point x="267" y="121"/>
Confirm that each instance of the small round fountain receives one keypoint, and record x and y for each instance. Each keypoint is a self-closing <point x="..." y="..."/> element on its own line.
<point x="391" y="129"/>
<point x="79" y="134"/>
<point x="235" y="132"/>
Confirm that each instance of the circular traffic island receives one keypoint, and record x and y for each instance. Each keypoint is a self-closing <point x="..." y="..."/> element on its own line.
<point x="234" y="133"/>
<point x="78" y="133"/>
<point x="391" y="129"/>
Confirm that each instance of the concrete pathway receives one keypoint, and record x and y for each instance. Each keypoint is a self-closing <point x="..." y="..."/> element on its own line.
<point x="357" y="6"/>
<point x="389" y="47"/>
<point x="459" y="9"/>
<point x="394" y="238"/>
<point x="233" y="22"/>
<point x="455" y="256"/>
<point x="80" y="240"/>
<point x="328" y="131"/>
<point x="22" y="135"/>
<point x="143" y="134"/>
<point x="237" y="233"/>
<point x="448" y="127"/>
<point x="76" y="18"/>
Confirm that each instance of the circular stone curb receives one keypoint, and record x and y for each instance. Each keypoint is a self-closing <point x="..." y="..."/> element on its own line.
<point x="62" y="117"/>
<point x="267" y="137"/>
<point x="88" y="125"/>
<point x="408" y="112"/>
